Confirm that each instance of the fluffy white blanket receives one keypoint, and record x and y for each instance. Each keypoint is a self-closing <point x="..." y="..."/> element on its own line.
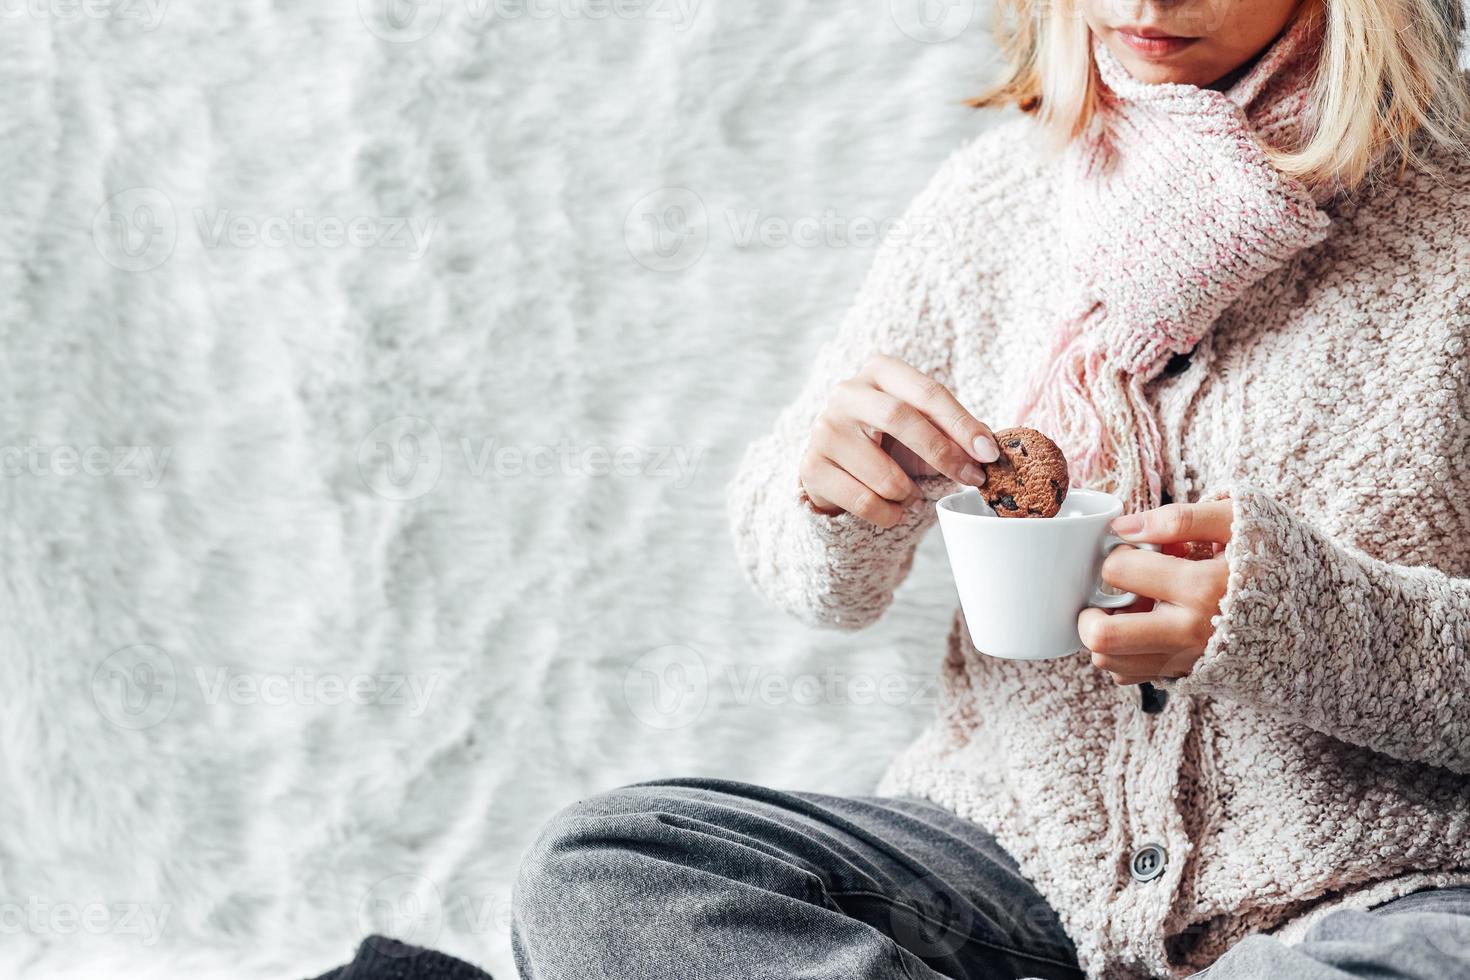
<point x="371" y="374"/>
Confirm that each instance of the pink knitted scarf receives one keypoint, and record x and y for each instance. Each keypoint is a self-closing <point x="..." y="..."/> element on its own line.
<point x="1174" y="212"/>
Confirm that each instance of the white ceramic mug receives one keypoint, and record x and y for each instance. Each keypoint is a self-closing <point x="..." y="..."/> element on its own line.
<point x="1023" y="581"/>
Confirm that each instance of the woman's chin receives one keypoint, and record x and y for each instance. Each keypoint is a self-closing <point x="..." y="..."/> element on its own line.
<point x="1177" y="70"/>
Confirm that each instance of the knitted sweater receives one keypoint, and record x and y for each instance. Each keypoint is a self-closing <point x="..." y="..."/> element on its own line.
<point x="1318" y="756"/>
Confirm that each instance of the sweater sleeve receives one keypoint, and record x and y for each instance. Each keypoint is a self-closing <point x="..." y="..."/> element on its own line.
<point x="1327" y="637"/>
<point x="840" y="571"/>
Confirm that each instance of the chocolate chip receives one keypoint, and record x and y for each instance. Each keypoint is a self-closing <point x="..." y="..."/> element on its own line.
<point x="1061" y="492"/>
<point x="1009" y="502"/>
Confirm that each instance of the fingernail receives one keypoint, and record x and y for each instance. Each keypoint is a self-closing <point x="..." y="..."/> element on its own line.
<point x="1128" y="524"/>
<point x="986" y="451"/>
<point x="915" y="503"/>
<point x="972" y="475"/>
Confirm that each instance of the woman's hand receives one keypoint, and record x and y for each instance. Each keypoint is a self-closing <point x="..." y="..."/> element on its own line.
<point x="882" y="427"/>
<point x="1167" y="640"/>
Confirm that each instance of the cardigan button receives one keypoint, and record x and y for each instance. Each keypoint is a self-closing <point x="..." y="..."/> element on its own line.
<point x="1152" y="699"/>
<point x="1178" y="364"/>
<point x="1148" y="862"/>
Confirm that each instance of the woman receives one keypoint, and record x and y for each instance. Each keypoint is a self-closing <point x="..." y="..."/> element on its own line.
<point x="1223" y="257"/>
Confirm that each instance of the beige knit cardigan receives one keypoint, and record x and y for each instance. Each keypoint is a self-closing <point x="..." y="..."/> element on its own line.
<point x="1319" y="754"/>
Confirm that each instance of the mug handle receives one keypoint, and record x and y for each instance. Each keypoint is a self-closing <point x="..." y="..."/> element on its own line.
<point x="1100" y="599"/>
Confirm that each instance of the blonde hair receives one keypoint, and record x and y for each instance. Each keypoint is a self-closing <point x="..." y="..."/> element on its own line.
<point x="1389" y="78"/>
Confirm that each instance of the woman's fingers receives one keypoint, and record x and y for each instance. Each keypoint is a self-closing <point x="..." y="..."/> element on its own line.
<point x="1163" y="630"/>
<point x="880" y="429"/>
<point x="826" y="481"/>
<point x="1168" y="640"/>
<point x="1123" y="680"/>
<point x="908" y="460"/>
<point x="883" y="413"/>
<point x="1195" y="584"/>
<point x="1173" y="523"/>
<point x="865" y="460"/>
<point x="938" y="403"/>
<point x="1137" y="647"/>
<point x="1143" y="667"/>
<point x="1147" y="667"/>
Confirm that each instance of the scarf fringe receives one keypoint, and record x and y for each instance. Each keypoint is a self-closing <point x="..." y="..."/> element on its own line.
<point x="1100" y="415"/>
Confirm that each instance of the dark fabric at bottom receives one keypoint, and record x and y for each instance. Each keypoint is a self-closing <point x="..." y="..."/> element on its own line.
<point x="381" y="958"/>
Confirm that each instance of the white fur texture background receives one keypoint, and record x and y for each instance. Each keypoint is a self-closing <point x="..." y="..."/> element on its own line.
<point x="371" y="373"/>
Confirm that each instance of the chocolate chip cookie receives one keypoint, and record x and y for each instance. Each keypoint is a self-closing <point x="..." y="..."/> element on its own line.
<point x="1030" y="478"/>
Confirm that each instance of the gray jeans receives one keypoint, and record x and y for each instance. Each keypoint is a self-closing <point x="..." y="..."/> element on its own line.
<point x="703" y="879"/>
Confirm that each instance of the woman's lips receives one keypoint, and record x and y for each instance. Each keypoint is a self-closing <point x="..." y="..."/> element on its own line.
<point x="1152" y="44"/>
